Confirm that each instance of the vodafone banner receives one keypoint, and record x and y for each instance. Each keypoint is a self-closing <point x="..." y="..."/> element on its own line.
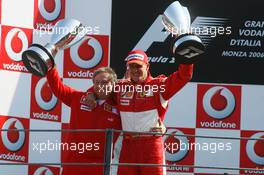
<point x="27" y="101"/>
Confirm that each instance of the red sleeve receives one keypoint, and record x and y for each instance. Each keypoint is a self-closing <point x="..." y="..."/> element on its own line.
<point x="61" y="91"/>
<point x="177" y="80"/>
<point x="90" y="90"/>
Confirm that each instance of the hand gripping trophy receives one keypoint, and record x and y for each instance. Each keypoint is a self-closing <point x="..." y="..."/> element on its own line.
<point x="186" y="46"/>
<point x="39" y="59"/>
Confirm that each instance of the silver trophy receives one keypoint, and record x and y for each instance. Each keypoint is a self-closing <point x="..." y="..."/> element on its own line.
<point x="186" y="46"/>
<point x="39" y="59"/>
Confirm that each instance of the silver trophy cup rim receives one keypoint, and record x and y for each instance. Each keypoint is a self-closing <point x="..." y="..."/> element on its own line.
<point x="176" y="19"/>
<point x="38" y="60"/>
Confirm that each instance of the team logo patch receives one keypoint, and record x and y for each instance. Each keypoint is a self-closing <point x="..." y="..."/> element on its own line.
<point x="83" y="102"/>
<point x="85" y="108"/>
<point x="146" y="93"/>
<point x="124" y="102"/>
<point x="110" y="108"/>
<point x="127" y="95"/>
<point x="142" y="94"/>
<point x="83" y="99"/>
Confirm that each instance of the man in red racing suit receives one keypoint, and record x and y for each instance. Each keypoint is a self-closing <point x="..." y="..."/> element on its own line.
<point x="105" y="115"/>
<point x="141" y="107"/>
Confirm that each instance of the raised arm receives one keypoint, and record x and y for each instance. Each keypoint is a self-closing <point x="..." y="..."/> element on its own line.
<point x="60" y="90"/>
<point x="174" y="82"/>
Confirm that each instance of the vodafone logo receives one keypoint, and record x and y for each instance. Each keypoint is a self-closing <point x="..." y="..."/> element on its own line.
<point x="44" y="96"/>
<point x="16" y="42"/>
<point x="13" y="140"/>
<point x="49" y="9"/>
<point x="43" y="171"/>
<point x="254" y="149"/>
<point x="87" y="54"/>
<point x="173" y="145"/>
<point x="219" y="102"/>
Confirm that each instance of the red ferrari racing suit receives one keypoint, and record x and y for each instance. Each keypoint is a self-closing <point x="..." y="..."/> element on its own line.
<point x="140" y="109"/>
<point x="89" y="145"/>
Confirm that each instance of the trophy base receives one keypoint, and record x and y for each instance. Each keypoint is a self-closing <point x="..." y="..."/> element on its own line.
<point x="38" y="60"/>
<point x="187" y="49"/>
